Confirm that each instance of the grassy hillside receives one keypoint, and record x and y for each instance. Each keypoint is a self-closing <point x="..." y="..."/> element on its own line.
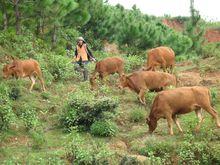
<point x="37" y="135"/>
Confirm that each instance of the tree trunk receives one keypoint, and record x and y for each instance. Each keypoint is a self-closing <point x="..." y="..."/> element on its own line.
<point x="54" y="36"/>
<point x="17" y="16"/>
<point x="5" y="15"/>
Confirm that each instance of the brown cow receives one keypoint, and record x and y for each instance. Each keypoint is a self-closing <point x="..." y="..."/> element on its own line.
<point x="107" y="66"/>
<point x="168" y="104"/>
<point x="141" y="81"/>
<point x="24" y="68"/>
<point x="164" y="57"/>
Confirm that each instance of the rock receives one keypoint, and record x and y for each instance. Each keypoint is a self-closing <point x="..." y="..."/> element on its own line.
<point x="119" y="145"/>
<point x="140" y="158"/>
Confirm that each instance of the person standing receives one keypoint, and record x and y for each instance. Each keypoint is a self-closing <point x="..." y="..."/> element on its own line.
<point x="82" y="57"/>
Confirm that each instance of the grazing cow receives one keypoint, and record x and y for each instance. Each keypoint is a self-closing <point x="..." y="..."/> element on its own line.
<point x="141" y="81"/>
<point x="107" y="66"/>
<point x="24" y="68"/>
<point x="168" y="104"/>
<point x="164" y="57"/>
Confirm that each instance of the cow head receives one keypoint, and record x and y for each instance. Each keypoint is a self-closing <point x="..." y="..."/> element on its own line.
<point x="92" y="82"/>
<point x="122" y="82"/>
<point x="152" y="124"/>
<point x="8" y="70"/>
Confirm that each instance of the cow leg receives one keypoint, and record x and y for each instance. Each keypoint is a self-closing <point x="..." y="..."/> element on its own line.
<point x="170" y="124"/>
<point x="214" y="114"/>
<point x="199" y="115"/>
<point x="32" y="82"/>
<point x="171" y="69"/>
<point x="42" y="83"/>
<point x="164" y="68"/>
<point x="141" y="96"/>
<point x="177" y="123"/>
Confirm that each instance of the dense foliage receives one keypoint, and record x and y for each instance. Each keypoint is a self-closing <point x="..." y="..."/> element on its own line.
<point x="6" y="112"/>
<point x="84" y="108"/>
<point x="32" y="124"/>
<point x="62" y="21"/>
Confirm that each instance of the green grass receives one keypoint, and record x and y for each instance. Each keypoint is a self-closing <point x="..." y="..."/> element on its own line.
<point x="49" y="108"/>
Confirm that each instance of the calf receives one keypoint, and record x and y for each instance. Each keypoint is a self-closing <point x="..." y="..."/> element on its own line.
<point x="141" y="81"/>
<point x="163" y="57"/>
<point x="168" y="104"/>
<point x="107" y="66"/>
<point x="24" y="68"/>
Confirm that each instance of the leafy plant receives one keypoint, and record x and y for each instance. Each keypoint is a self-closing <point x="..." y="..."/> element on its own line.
<point x="214" y="95"/>
<point x="84" y="107"/>
<point x="29" y="117"/>
<point x="86" y="152"/>
<point x="6" y="113"/>
<point x="137" y="115"/>
<point x="104" y="128"/>
<point x="38" y="139"/>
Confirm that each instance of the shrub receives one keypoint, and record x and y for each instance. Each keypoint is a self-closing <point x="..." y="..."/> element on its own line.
<point x="104" y="128"/>
<point x="38" y="139"/>
<point x="214" y="95"/>
<point x="158" y="149"/>
<point x="137" y="116"/>
<point x="84" y="151"/>
<point x="150" y="97"/>
<point x="194" y="153"/>
<point x="29" y="117"/>
<point x="6" y="113"/>
<point x="84" y="107"/>
<point x="15" y="93"/>
<point x="211" y="50"/>
<point x="133" y="62"/>
<point x="60" y="67"/>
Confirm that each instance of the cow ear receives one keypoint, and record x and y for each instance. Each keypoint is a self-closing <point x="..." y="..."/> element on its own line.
<point x="123" y="75"/>
<point x="13" y="66"/>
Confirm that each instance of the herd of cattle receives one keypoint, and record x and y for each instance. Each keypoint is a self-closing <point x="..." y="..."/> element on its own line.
<point x="167" y="104"/>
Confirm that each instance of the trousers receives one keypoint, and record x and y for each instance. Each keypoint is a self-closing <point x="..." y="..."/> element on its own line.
<point x="82" y="67"/>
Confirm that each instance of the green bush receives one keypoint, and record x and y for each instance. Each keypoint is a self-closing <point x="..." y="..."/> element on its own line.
<point x="60" y="67"/>
<point x="85" y="151"/>
<point x="211" y="50"/>
<point x="214" y="95"/>
<point x="38" y="139"/>
<point x="84" y="107"/>
<point x="104" y="128"/>
<point x="194" y="153"/>
<point x="6" y="113"/>
<point x="187" y="152"/>
<point x="181" y="45"/>
<point x="133" y="62"/>
<point x="158" y="149"/>
<point x="137" y="115"/>
<point x="150" y="97"/>
<point x="28" y="116"/>
<point x="15" y="93"/>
